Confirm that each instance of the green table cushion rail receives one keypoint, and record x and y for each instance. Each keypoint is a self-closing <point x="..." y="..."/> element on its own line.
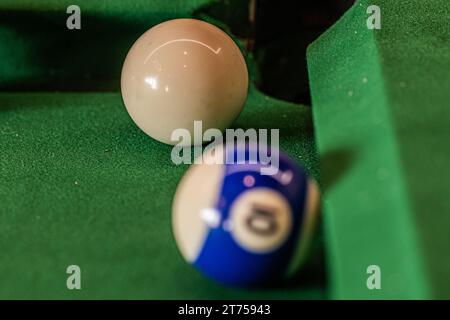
<point x="81" y="184"/>
<point x="381" y="115"/>
<point x="38" y="52"/>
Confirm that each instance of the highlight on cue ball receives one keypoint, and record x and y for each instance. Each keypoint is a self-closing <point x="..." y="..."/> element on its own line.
<point x="181" y="71"/>
<point x="240" y="227"/>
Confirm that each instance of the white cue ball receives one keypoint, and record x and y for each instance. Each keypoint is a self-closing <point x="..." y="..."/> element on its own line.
<point x="181" y="71"/>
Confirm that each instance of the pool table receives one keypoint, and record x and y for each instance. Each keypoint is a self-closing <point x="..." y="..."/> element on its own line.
<point x="80" y="184"/>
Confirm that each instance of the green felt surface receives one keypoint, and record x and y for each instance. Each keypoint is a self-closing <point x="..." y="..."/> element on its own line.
<point x="380" y="101"/>
<point x="39" y="53"/>
<point x="112" y="7"/>
<point x="81" y="184"/>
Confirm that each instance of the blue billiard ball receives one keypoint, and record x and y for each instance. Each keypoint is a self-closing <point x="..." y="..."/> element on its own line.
<point x="242" y="227"/>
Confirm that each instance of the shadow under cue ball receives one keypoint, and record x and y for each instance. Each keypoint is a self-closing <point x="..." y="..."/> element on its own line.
<point x="240" y="227"/>
<point x="181" y="71"/>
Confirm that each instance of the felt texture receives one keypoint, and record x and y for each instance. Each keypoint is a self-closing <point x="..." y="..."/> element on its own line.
<point x="81" y="184"/>
<point x="39" y="53"/>
<point x="380" y="103"/>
